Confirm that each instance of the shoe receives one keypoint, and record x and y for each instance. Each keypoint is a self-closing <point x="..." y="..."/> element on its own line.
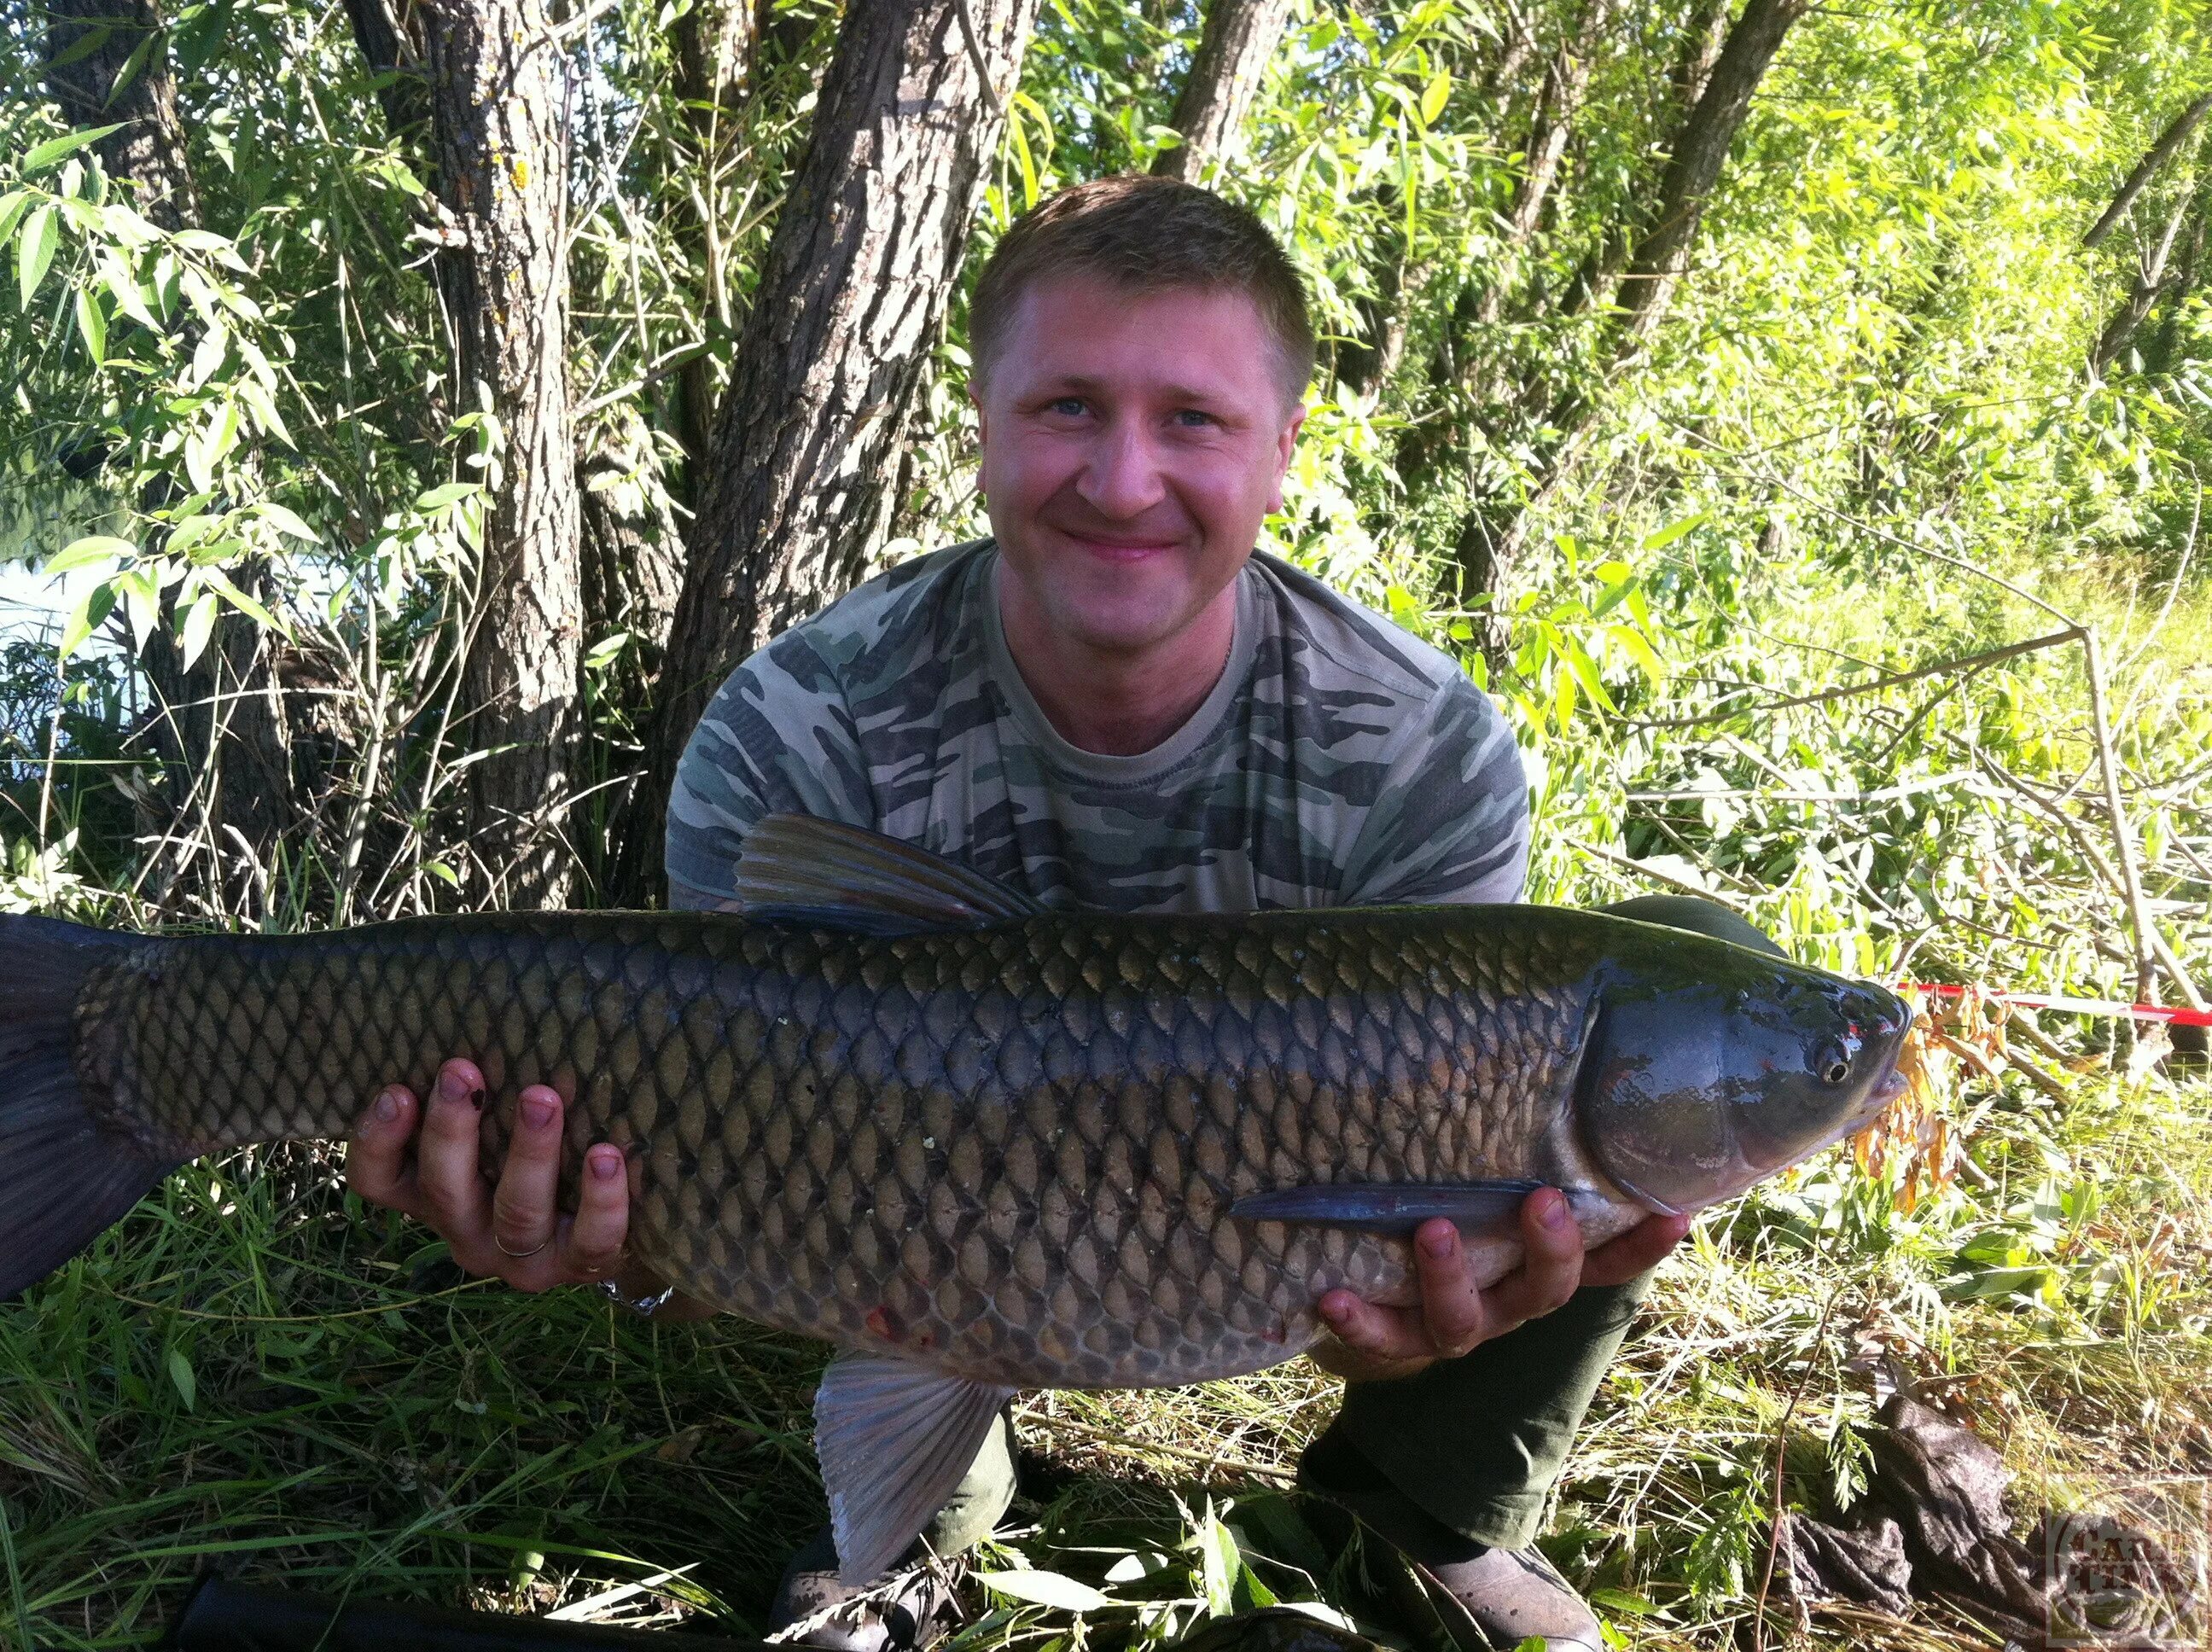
<point x="1484" y="1597"/>
<point x="904" y="1612"/>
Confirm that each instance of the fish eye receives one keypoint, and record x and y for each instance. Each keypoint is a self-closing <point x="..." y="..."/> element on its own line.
<point x="1831" y="1064"/>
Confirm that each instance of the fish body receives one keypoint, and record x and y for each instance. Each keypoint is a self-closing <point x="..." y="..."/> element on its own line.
<point x="983" y="1145"/>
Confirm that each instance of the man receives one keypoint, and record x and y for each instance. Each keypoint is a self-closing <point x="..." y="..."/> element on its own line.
<point x="1115" y="702"/>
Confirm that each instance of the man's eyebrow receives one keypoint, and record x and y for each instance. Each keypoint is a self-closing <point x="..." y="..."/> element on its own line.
<point x="1173" y="393"/>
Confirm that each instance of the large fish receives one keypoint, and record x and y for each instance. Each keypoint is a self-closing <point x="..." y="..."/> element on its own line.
<point x="976" y="1144"/>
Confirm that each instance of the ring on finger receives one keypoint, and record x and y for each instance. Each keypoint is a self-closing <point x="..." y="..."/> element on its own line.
<point x="520" y="1255"/>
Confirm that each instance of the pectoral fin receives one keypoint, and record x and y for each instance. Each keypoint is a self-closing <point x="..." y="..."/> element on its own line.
<point x="1476" y="1208"/>
<point x="894" y="1440"/>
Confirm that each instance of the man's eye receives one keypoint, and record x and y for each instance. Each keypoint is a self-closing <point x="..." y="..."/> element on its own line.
<point x="1068" y="406"/>
<point x="1191" y="419"/>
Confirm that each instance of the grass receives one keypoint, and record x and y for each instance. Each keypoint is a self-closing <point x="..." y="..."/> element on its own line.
<point x="253" y="1372"/>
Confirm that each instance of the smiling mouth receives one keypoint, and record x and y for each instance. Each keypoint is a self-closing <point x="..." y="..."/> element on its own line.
<point x="1121" y="550"/>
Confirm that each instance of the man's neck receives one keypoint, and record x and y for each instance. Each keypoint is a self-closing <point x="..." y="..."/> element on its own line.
<point x="1118" y="705"/>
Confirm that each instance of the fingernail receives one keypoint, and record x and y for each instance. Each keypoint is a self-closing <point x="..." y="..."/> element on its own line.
<point x="451" y="1087"/>
<point x="387" y="1107"/>
<point x="606" y="1164"/>
<point x="1334" y="1311"/>
<point x="1554" y="1212"/>
<point x="538" y="1112"/>
<point x="1440" y="1242"/>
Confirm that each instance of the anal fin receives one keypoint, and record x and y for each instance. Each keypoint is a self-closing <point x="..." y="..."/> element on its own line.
<point x="894" y="1440"/>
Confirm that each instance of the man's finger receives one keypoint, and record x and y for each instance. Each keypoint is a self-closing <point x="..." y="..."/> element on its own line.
<point x="452" y="1193"/>
<point x="1382" y="1334"/>
<point x="1453" y="1316"/>
<point x="1637" y="1251"/>
<point x="595" y="1238"/>
<point x="523" y="1208"/>
<point x="1552" y="1264"/>
<point x="376" y="1158"/>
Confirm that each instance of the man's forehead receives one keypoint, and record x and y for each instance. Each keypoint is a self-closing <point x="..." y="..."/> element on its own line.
<point x="1086" y="334"/>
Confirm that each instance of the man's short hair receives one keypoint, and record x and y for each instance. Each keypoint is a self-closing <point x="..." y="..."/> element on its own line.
<point x="1147" y="235"/>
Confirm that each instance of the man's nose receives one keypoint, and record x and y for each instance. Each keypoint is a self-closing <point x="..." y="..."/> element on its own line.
<point x="1122" y="477"/>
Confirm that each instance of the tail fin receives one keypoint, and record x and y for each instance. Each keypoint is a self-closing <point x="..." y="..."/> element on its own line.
<point x="63" y="1174"/>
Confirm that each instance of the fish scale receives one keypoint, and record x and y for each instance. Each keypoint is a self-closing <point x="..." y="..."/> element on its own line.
<point x="1007" y="1151"/>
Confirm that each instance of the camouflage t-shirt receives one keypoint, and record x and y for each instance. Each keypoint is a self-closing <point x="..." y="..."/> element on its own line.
<point x="1337" y="761"/>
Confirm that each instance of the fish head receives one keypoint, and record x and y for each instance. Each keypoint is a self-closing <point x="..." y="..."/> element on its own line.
<point x="1715" y="1069"/>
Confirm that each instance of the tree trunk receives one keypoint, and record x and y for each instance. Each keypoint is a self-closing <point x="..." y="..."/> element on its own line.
<point x="219" y="728"/>
<point x="850" y="301"/>
<point x="392" y="49"/>
<point x="1550" y="126"/>
<point x="148" y="152"/>
<point x="497" y="90"/>
<point x="2150" y="281"/>
<point x="1694" y="167"/>
<point x="2156" y="156"/>
<point x="1238" y="41"/>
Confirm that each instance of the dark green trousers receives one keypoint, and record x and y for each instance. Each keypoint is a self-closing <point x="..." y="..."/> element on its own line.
<point x="1477" y="1441"/>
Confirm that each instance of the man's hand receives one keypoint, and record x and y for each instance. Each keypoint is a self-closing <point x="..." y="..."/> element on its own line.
<point x="515" y="1232"/>
<point x="1372" y="1343"/>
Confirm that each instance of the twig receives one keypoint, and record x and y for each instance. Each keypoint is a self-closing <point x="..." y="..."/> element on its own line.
<point x="976" y="56"/>
<point x="1781" y="1448"/>
<point x="2151" y="935"/>
<point x="2147" y="937"/>
<point x="1965" y="662"/>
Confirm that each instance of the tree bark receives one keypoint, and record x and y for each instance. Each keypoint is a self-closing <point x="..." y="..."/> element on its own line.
<point x="497" y="92"/>
<point x="1239" y="38"/>
<point x="2154" y="157"/>
<point x="1694" y="167"/>
<point x="851" y="299"/>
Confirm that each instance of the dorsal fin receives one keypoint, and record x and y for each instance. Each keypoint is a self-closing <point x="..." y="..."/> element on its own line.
<point x="796" y="869"/>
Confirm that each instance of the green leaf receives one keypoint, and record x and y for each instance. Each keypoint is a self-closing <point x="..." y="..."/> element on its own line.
<point x="90" y="613"/>
<point x="35" y="251"/>
<point x="92" y="323"/>
<point x="122" y="285"/>
<point x="13" y="206"/>
<point x="1434" y="96"/>
<point x="451" y="494"/>
<point x="198" y="626"/>
<point x="1672" y="531"/>
<point x="207" y="358"/>
<point x="83" y="553"/>
<point x="46" y="154"/>
<point x="180" y="1373"/>
<point x="141" y="602"/>
<point x="264" y="408"/>
<point x="1044" y="1589"/>
<point x="285" y="520"/>
<point x="239" y="600"/>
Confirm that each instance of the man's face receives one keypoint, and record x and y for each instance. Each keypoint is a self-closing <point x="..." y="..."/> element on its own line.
<point x="1131" y="444"/>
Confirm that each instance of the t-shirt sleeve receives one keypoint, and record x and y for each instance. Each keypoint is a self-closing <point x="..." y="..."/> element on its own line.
<point x="777" y="739"/>
<point x="1450" y="822"/>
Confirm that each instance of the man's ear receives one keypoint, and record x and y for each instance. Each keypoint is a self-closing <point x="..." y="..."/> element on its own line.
<point x="1283" y="444"/>
<point x="982" y="413"/>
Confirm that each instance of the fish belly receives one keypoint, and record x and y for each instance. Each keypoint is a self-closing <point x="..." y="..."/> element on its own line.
<point x="1007" y="1153"/>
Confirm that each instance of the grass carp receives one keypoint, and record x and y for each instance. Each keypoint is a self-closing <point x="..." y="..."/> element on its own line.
<point x="977" y="1144"/>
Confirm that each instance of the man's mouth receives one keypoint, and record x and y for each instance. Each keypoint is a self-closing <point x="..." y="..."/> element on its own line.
<point x="1112" y="548"/>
